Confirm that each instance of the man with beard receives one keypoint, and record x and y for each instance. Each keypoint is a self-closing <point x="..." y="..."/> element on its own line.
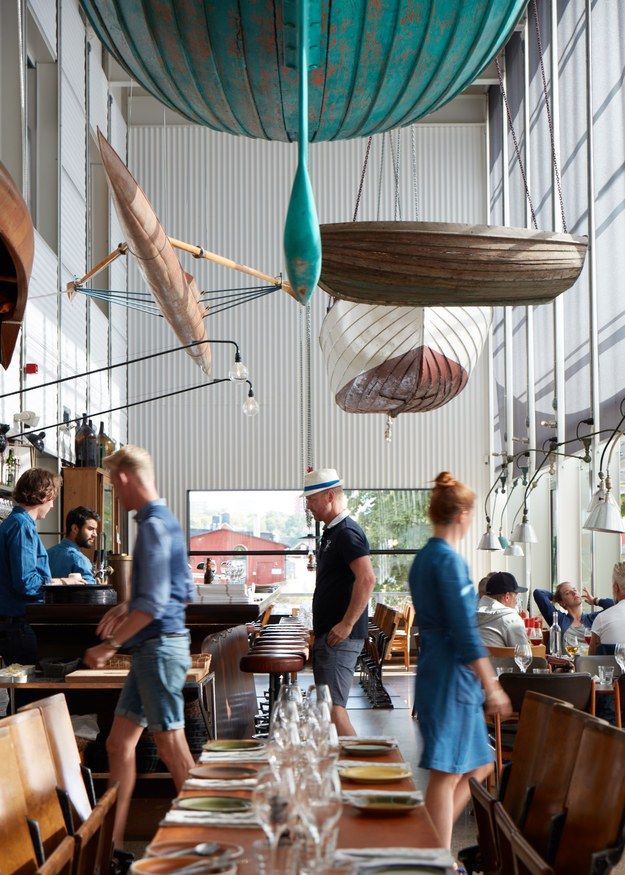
<point x="81" y="530"/>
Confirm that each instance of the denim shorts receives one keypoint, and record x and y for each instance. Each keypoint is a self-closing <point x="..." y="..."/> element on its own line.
<point x="152" y="694"/>
<point x="335" y="666"/>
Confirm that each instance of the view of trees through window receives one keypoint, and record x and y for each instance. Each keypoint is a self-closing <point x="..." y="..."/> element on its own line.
<point x="265" y="537"/>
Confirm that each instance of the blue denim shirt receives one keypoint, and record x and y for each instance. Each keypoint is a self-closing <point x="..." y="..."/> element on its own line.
<point x="24" y="566"/>
<point x="162" y="583"/>
<point x="66" y="558"/>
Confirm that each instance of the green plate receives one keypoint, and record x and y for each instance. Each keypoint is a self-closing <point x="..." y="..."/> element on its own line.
<point x="390" y="804"/>
<point x="366" y="748"/>
<point x="229" y="744"/>
<point x="213" y="803"/>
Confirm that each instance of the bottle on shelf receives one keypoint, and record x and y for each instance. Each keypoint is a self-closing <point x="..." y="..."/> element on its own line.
<point x="105" y="445"/>
<point x="555" y="636"/>
<point x="209" y="570"/>
<point x="79" y="442"/>
<point x="9" y="469"/>
<point x="92" y="452"/>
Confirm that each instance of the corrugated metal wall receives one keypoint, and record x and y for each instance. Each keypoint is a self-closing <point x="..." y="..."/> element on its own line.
<point x="231" y="194"/>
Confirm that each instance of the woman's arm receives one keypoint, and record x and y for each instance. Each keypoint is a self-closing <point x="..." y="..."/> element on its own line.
<point x="545" y="604"/>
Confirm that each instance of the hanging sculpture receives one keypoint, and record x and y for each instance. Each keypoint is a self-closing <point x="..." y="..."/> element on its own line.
<point x="175" y="290"/>
<point x="432" y="263"/>
<point x="400" y="359"/>
<point x="242" y="67"/>
<point x="17" y="248"/>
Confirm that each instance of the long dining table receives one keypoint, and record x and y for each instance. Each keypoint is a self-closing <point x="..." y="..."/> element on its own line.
<point x="413" y="829"/>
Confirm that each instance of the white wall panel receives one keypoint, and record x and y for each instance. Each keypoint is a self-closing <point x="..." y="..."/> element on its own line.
<point x="44" y="12"/>
<point x="98" y="89"/>
<point x="73" y="227"/>
<point x="98" y="358"/>
<point x="231" y="195"/>
<point x="72" y="36"/>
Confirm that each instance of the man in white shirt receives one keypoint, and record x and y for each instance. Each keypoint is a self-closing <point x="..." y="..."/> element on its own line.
<point x="498" y="620"/>
<point x="609" y="626"/>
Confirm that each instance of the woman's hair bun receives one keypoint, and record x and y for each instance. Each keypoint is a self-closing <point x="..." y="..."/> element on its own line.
<point x="445" y="479"/>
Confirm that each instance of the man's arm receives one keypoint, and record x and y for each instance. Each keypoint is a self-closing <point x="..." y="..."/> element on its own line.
<point x="97" y="656"/>
<point x="364" y="581"/>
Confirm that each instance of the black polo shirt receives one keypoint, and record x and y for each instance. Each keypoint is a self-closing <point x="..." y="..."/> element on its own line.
<point x="339" y="546"/>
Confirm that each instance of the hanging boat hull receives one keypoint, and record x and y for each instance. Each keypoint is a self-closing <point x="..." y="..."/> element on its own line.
<point x="17" y="249"/>
<point x="400" y="359"/>
<point x="174" y="290"/>
<point x="436" y="264"/>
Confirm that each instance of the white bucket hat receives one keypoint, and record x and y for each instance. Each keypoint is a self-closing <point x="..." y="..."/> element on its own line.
<point x="319" y="480"/>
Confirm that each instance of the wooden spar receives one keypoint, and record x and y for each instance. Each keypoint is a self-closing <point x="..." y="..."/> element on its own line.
<point x="17" y="249"/>
<point x="174" y="290"/>
<point x="122" y="249"/>
<point x="200" y="252"/>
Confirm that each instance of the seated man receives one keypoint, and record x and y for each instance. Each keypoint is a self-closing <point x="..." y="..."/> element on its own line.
<point x="609" y="626"/>
<point x="81" y="530"/>
<point x="498" y="620"/>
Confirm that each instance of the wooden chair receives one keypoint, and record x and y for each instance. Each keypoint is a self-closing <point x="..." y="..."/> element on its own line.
<point x="592" y="837"/>
<point x="526" y="860"/>
<point x="38" y="776"/>
<point x="17" y="853"/>
<point x="94" y="838"/>
<point x="61" y="861"/>
<point x="505" y="827"/>
<point x="108" y="805"/>
<point x="400" y="642"/>
<point x="62" y="742"/>
<point x="537" y="650"/>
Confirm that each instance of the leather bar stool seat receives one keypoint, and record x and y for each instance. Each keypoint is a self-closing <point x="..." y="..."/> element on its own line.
<point x="278" y="664"/>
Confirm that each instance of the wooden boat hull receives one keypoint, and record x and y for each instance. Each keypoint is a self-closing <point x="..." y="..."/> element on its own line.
<point x="17" y="250"/>
<point x="436" y="264"/>
<point x="174" y="290"/>
<point x="400" y="359"/>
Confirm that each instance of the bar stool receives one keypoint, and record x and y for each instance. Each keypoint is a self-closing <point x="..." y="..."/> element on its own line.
<point x="277" y="663"/>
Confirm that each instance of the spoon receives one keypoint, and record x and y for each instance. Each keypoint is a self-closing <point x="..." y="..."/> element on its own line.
<point x="204" y="849"/>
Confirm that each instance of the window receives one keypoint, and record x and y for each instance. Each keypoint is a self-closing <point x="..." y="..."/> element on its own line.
<point x="265" y="536"/>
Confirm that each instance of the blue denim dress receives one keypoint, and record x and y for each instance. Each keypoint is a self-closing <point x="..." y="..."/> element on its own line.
<point x="449" y="697"/>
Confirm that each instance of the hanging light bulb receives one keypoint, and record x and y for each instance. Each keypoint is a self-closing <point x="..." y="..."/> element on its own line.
<point x="250" y="405"/>
<point x="238" y="373"/>
<point x="388" y="428"/>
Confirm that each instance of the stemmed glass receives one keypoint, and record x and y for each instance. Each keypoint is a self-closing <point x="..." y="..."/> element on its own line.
<point x="320" y="807"/>
<point x="523" y="656"/>
<point x="571" y="644"/>
<point x="273" y="799"/>
<point x="619" y="655"/>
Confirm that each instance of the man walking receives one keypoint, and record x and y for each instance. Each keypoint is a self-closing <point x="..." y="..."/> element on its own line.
<point x="345" y="581"/>
<point x="81" y="530"/>
<point x="152" y="624"/>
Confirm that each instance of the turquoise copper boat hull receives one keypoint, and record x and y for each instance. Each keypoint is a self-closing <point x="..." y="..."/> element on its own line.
<point x="378" y="65"/>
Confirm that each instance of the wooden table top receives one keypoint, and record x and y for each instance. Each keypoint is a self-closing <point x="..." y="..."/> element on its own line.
<point x="413" y="829"/>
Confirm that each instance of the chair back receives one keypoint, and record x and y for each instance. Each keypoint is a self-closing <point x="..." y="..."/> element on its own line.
<point x="505" y="828"/>
<point x="590" y="664"/>
<point x="16" y="848"/>
<point x="61" y="861"/>
<point x="537" y="650"/>
<point x="87" y="839"/>
<point x="62" y="741"/>
<point x="508" y="663"/>
<point x="108" y="805"/>
<point x="574" y="688"/>
<point x="529" y="750"/>
<point x="38" y="776"/>
<point x="526" y="860"/>
<point x="483" y="808"/>
<point x="557" y="760"/>
<point x="595" y="802"/>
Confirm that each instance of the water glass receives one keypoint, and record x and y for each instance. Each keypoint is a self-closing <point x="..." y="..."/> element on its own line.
<point x="273" y="861"/>
<point x="619" y="655"/>
<point x="523" y="656"/>
<point x="606" y="674"/>
<point x="540" y="671"/>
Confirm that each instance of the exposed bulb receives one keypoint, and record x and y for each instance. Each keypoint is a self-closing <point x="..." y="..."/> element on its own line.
<point x="388" y="429"/>
<point x="250" y="405"/>
<point x="238" y="373"/>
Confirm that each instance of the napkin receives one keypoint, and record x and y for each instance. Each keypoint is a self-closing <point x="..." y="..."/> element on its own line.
<point x="243" y="784"/>
<point x="239" y="756"/>
<point x="178" y="817"/>
<point x="436" y="857"/>
<point x="347" y="764"/>
<point x="369" y="739"/>
<point x="372" y="794"/>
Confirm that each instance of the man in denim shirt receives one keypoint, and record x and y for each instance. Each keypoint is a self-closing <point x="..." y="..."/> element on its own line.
<point x="81" y="530"/>
<point x="152" y="625"/>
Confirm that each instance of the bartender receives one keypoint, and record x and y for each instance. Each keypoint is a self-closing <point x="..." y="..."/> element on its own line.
<point x="24" y="566"/>
<point x="81" y="530"/>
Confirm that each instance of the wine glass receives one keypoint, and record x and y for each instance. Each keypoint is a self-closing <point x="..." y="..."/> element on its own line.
<point x="523" y="656"/>
<point x="619" y="655"/>
<point x="273" y="798"/>
<point x="320" y="807"/>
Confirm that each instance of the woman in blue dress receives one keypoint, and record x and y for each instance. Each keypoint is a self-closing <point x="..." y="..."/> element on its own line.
<point x="455" y="676"/>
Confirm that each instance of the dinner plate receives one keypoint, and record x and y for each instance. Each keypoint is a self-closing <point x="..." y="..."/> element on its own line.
<point x="403" y="869"/>
<point x="390" y="804"/>
<point x="374" y="774"/>
<point x="230" y="744"/>
<point x="223" y="773"/>
<point x="213" y="803"/>
<point x="171" y="865"/>
<point x="367" y="748"/>
<point x="222" y="849"/>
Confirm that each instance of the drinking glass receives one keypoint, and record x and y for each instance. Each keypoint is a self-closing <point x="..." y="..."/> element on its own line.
<point x="319" y="693"/>
<point x="320" y="806"/>
<point x="523" y="656"/>
<point x="273" y="801"/>
<point x="619" y="655"/>
<point x="606" y="674"/>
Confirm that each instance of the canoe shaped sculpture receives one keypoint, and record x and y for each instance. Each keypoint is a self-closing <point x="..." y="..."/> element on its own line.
<point x="436" y="264"/>
<point x="17" y="249"/>
<point x="174" y="290"/>
<point x="400" y="359"/>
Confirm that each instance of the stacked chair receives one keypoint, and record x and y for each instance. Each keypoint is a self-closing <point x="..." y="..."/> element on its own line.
<point x="400" y="642"/>
<point x="561" y="801"/>
<point x="382" y="629"/>
<point x="280" y="651"/>
<point x="48" y="823"/>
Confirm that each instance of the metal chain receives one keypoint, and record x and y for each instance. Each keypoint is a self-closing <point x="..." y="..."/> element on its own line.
<point x="554" y="157"/>
<point x="362" y="177"/>
<point x="517" y="151"/>
<point x="380" y="175"/>
<point x="395" y="162"/>
<point x="415" y="187"/>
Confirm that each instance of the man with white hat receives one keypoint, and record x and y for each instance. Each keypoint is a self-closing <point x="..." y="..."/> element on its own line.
<point x="345" y="581"/>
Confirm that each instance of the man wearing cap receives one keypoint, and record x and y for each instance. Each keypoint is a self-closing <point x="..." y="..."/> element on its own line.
<point x="498" y="620"/>
<point x="345" y="581"/>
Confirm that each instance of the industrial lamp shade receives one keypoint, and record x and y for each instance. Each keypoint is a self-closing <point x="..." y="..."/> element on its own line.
<point x="605" y="516"/>
<point x="514" y="550"/>
<point x="524" y="533"/>
<point x="489" y="541"/>
<point x="504" y="543"/>
<point x="597" y="497"/>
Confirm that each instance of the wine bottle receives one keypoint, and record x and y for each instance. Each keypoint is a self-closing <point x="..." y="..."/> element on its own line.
<point x="79" y="442"/>
<point x="105" y="445"/>
<point x="555" y="636"/>
<point x="91" y="447"/>
<point x="209" y="570"/>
